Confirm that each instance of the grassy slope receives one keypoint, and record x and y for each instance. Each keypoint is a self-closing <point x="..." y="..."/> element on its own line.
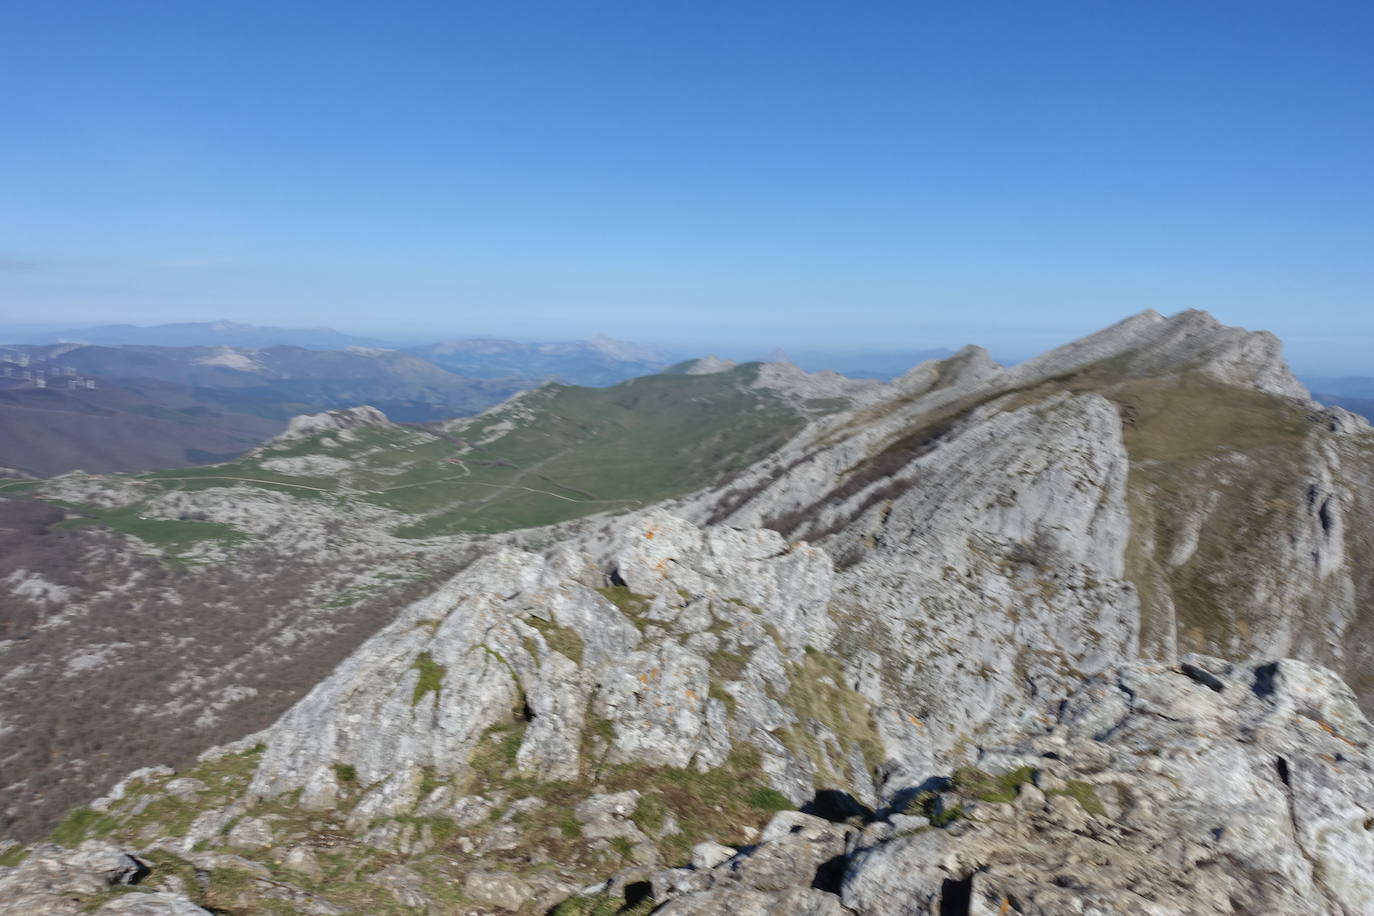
<point x="171" y="535"/>
<point x="1194" y="442"/>
<point x="1191" y="440"/>
<point x="590" y="449"/>
<point x="560" y="452"/>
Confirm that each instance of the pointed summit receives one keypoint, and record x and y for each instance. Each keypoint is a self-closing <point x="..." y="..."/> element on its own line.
<point x="1150" y="344"/>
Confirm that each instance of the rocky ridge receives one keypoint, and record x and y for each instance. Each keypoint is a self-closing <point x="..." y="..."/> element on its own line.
<point x="253" y="579"/>
<point x="972" y="662"/>
<point x="528" y="716"/>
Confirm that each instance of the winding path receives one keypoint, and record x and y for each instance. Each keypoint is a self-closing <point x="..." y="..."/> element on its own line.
<point x="467" y="472"/>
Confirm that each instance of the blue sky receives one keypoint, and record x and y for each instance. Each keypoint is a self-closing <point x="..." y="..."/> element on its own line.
<point x="838" y="174"/>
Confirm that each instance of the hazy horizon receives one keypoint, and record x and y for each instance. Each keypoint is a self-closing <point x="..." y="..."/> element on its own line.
<point x="1015" y="345"/>
<point x="779" y="175"/>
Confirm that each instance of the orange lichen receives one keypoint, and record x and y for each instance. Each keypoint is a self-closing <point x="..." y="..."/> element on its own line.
<point x="1326" y="727"/>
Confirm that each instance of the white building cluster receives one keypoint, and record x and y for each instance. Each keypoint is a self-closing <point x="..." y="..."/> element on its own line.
<point x="19" y="367"/>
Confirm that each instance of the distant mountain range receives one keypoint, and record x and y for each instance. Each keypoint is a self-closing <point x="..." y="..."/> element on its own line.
<point x="190" y="334"/>
<point x="1085" y="634"/>
<point x="1355" y="393"/>
<point x="100" y="409"/>
<point x="879" y="364"/>
<point x="1350" y="386"/>
<point x="128" y="406"/>
<point x="595" y="362"/>
<point x="1362" y="406"/>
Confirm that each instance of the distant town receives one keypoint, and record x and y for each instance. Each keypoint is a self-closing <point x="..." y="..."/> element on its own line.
<point x="19" y="367"/>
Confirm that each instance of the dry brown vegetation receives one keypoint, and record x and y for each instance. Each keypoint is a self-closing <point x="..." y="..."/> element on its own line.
<point x="135" y="660"/>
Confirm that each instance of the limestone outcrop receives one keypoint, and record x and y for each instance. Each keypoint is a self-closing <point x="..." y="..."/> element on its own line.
<point x="1198" y="789"/>
<point x="1085" y="635"/>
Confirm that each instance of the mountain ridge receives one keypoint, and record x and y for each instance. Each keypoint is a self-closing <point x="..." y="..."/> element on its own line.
<point x="203" y="333"/>
<point x="1064" y="636"/>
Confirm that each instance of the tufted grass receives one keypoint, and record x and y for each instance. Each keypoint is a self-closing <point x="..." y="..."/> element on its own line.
<point x="563" y="640"/>
<point x="975" y="783"/>
<point x="1086" y="796"/>
<point x="430" y="680"/>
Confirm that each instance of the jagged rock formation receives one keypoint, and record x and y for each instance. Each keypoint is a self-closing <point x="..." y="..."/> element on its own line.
<point x="968" y="504"/>
<point x="345" y="421"/>
<point x="251" y="580"/>
<point x="686" y="660"/>
<point x="1209" y="788"/>
<point x="974" y="626"/>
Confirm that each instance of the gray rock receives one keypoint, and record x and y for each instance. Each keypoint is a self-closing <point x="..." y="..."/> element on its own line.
<point x="995" y="552"/>
<point x="708" y="854"/>
<point x="405" y="885"/>
<point x="185" y="789"/>
<point x="498" y="889"/>
<point x="155" y="904"/>
<point x="480" y="650"/>
<point x="607" y="816"/>
<point x="50" y="876"/>
<point x="302" y="859"/>
<point x="250" y="833"/>
<point x="739" y="901"/>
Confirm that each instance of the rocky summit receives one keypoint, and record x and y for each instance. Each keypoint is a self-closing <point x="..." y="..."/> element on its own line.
<point x="1087" y="635"/>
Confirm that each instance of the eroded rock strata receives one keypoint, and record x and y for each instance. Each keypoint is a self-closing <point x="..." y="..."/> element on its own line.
<point x="1071" y="637"/>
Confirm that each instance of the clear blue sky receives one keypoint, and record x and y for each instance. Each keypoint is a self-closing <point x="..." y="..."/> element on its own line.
<point x="882" y="174"/>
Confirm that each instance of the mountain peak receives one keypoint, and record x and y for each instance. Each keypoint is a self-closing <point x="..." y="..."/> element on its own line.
<point x="1150" y="344"/>
<point x="623" y="350"/>
<point x="708" y="365"/>
<point x="343" y="420"/>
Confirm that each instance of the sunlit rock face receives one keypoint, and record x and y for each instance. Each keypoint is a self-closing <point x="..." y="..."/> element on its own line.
<point x="1085" y="635"/>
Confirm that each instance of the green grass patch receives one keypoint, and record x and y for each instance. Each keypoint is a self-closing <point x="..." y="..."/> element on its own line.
<point x="602" y="905"/>
<point x="592" y="449"/>
<point x="569" y="826"/>
<point x="1083" y="793"/>
<point x="494" y="756"/>
<point x="932" y="807"/>
<point x="241" y="473"/>
<point x="727" y="665"/>
<point x="171" y="535"/>
<point x="717" y="804"/>
<point x="14" y="855"/>
<point x="83" y="824"/>
<point x="560" y="639"/>
<point x="975" y="783"/>
<point x="717" y="691"/>
<point x="430" y="680"/>
<point x="766" y="798"/>
<point x="1239" y="456"/>
<point x="650" y="813"/>
<point x="441" y="828"/>
<point x="816" y="693"/>
<point x="631" y="604"/>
